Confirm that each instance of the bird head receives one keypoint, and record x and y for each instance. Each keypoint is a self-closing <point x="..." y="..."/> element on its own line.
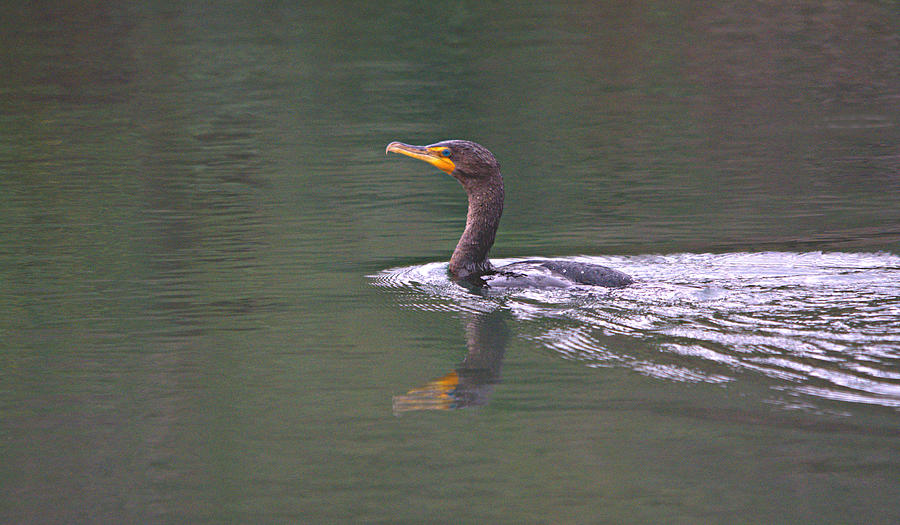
<point x="464" y="160"/>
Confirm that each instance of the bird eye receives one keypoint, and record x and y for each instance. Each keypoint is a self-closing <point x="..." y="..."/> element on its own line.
<point x="446" y="152"/>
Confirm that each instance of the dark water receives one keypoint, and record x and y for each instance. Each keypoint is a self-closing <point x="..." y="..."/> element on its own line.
<point x="220" y="302"/>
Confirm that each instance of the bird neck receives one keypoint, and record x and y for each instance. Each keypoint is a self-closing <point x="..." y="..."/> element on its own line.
<point x="485" y="207"/>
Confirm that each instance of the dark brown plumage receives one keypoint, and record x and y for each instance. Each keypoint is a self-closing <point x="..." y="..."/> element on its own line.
<point x="478" y="171"/>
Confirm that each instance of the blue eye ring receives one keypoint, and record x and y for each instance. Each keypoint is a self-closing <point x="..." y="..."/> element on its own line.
<point x="446" y="152"/>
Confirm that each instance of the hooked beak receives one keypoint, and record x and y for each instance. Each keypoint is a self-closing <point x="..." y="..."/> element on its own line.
<point x="429" y="154"/>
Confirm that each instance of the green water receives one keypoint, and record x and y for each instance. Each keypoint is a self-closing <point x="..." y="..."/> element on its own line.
<point x="195" y="200"/>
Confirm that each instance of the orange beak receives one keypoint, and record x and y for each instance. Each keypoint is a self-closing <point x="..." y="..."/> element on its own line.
<point x="430" y="154"/>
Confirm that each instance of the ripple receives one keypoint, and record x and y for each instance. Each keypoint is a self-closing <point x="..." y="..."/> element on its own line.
<point x="813" y="325"/>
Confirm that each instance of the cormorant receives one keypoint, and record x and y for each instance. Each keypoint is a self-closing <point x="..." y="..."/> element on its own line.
<point x="479" y="173"/>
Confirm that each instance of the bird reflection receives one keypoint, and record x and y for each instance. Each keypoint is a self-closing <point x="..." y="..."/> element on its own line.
<point x="472" y="383"/>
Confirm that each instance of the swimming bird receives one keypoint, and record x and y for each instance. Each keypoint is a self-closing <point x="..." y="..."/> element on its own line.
<point x="478" y="171"/>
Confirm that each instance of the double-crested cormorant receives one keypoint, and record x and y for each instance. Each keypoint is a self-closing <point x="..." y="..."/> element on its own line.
<point x="479" y="173"/>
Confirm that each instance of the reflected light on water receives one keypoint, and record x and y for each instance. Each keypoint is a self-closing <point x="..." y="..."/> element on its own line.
<point x="813" y="325"/>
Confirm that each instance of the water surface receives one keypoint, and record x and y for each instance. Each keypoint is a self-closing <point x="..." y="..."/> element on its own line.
<point x="815" y="326"/>
<point x="220" y="302"/>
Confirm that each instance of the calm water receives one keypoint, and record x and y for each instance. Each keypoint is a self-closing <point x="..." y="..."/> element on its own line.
<point x="220" y="301"/>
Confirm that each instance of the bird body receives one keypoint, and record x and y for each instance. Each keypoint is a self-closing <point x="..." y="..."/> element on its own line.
<point x="478" y="171"/>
